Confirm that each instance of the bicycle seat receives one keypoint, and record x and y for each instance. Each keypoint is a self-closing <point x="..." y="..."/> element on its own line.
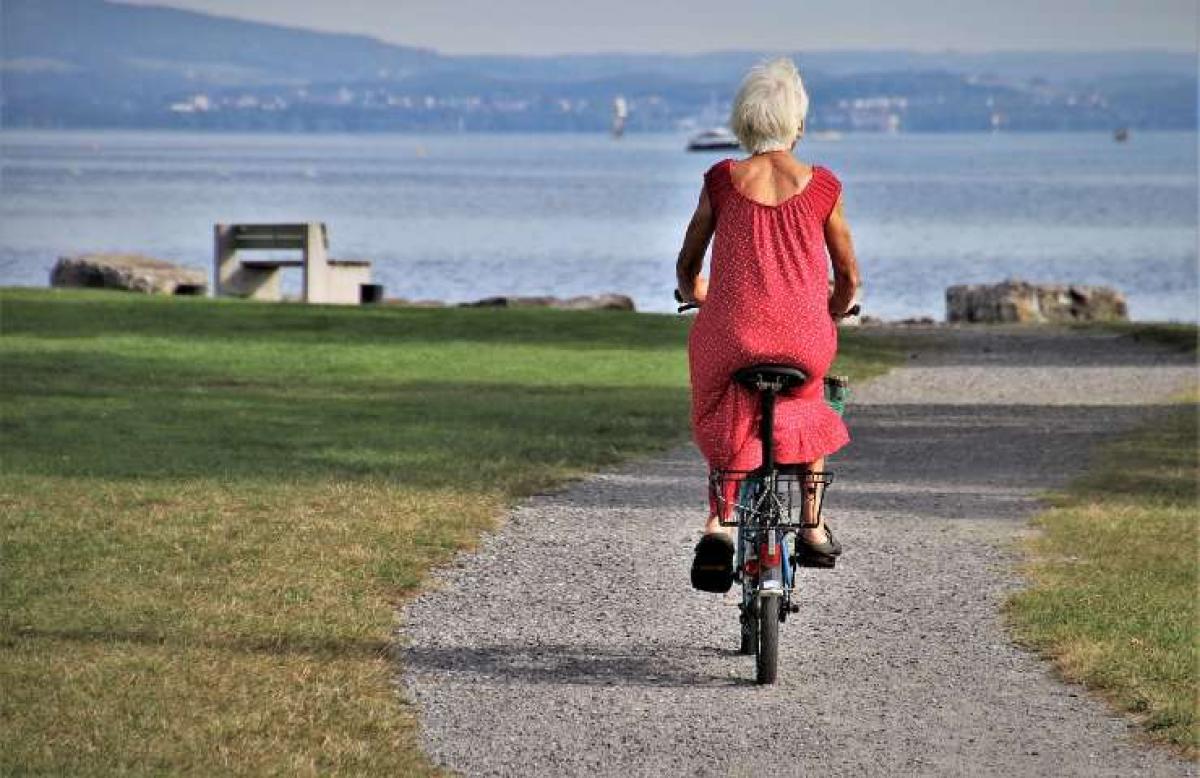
<point x="786" y="376"/>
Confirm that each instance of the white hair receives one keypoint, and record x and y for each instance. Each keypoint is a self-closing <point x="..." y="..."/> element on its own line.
<point x="768" y="112"/>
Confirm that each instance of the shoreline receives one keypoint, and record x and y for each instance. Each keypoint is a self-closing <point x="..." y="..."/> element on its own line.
<point x="601" y="135"/>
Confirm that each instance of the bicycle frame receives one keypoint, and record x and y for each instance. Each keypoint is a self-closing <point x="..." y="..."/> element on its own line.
<point x="763" y="563"/>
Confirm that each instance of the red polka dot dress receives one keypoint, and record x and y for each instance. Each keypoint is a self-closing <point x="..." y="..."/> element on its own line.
<point x="767" y="302"/>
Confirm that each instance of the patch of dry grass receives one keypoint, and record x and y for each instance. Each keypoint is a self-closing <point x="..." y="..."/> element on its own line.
<point x="199" y="626"/>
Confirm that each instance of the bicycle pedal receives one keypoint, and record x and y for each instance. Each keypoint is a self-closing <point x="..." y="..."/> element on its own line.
<point x="794" y="608"/>
<point x="821" y="562"/>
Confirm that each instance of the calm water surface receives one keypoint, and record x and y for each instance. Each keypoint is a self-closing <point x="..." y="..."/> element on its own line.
<point x="461" y="217"/>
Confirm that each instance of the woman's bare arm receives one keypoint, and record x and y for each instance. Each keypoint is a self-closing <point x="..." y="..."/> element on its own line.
<point x="691" y="255"/>
<point x="845" y="266"/>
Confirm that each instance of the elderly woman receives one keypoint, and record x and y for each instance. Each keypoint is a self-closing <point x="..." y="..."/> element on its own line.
<point x="778" y="223"/>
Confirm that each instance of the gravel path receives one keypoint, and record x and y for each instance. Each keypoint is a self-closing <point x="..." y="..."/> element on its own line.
<point x="571" y="644"/>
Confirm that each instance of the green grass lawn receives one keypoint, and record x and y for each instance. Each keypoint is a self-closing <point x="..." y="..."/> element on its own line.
<point x="210" y="509"/>
<point x="1113" y="599"/>
<point x="1179" y="336"/>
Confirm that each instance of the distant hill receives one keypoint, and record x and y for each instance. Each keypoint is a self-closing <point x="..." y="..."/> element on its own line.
<point x="169" y="45"/>
<point x="92" y="63"/>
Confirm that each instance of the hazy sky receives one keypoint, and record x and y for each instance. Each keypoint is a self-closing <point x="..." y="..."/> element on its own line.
<point x="556" y="26"/>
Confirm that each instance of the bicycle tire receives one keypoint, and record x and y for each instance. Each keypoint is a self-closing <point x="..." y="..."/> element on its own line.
<point x="766" y="662"/>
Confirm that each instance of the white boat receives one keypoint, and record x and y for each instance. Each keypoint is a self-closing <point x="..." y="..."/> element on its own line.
<point x="716" y="139"/>
<point x="620" y="114"/>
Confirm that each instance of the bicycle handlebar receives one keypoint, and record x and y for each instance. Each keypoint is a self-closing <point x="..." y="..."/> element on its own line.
<point x="853" y="310"/>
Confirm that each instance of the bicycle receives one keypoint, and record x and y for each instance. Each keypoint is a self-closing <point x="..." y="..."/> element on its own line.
<point x="771" y="504"/>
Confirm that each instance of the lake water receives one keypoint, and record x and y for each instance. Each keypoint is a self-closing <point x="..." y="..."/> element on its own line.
<point x="465" y="216"/>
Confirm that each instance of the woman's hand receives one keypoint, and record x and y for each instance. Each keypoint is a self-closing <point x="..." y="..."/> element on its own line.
<point x="853" y="310"/>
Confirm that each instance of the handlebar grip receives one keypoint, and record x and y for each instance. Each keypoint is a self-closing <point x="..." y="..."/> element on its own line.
<point x="685" y="306"/>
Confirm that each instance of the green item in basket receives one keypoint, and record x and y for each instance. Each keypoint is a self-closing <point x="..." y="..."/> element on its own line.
<point x="837" y="391"/>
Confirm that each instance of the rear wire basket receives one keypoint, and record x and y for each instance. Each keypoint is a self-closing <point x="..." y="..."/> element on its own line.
<point x="754" y="502"/>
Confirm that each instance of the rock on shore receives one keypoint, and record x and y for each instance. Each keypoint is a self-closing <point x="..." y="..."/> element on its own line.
<point x="598" y="302"/>
<point x="1016" y="301"/>
<point x="131" y="272"/>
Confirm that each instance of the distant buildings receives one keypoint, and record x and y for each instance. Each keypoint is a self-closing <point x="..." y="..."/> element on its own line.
<point x="869" y="114"/>
<point x="202" y="103"/>
<point x="194" y="104"/>
<point x="880" y="102"/>
<point x="900" y="104"/>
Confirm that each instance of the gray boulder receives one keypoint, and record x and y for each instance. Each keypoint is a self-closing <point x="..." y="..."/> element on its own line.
<point x="1020" y="302"/>
<point x="598" y="302"/>
<point x="131" y="272"/>
<point x="403" y="302"/>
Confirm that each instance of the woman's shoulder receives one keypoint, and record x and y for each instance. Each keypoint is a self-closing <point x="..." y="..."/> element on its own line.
<point x="826" y="187"/>
<point x="823" y="173"/>
<point x="717" y="179"/>
<point x="721" y="167"/>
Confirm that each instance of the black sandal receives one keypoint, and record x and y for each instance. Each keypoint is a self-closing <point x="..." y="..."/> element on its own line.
<point x="823" y="554"/>
<point x="712" y="569"/>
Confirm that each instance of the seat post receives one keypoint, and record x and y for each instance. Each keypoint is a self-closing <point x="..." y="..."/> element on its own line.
<point x="767" y="428"/>
<point x="769" y="381"/>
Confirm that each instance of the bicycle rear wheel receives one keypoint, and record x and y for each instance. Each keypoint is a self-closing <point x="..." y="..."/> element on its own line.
<point x="767" y="657"/>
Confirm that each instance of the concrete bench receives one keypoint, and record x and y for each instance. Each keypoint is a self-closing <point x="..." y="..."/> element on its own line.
<point x="325" y="280"/>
